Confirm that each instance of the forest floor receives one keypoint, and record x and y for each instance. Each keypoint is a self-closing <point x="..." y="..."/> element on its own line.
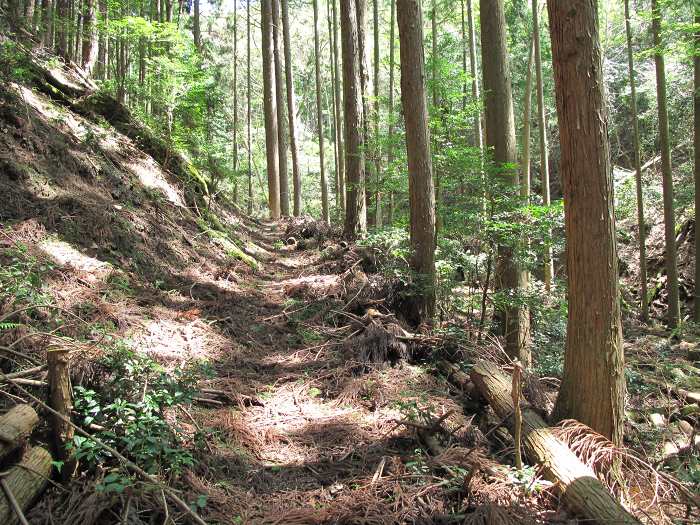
<point x="313" y="403"/>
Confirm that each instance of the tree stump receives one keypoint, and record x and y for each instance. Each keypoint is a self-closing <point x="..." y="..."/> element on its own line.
<point x="61" y="400"/>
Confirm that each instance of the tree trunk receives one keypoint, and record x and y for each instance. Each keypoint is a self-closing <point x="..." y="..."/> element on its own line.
<point x="580" y="488"/>
<point x="291" y="108"/>
<point x="29" y="7"/>
<point x="338" y="110"/>
<point x="26" y="481"/>
<point x="544" y="148"/>
<point x="270" y="105"/>
<point x="377" y="147"/>
<point x="89" y="37"/>
<point x="235" y="103"/>
<point x="281" y="119"/>
<point x="102" y="42"/>
<point x="61" y="23"/>
<point x="61" y="400"/>
<point x="525" y="158"/>
<point x="641" y="223"/>
<point x="248" y="113"/>
<point x="696" y="136"/>
<point x="16" y="426"/>
<point x="355" y="211"/>
<point x="319" y="118"/>
<point x="332" y="112"/>
<point x="196" y="28"/>
<point x="500" y="136"/>
<point x="420" y="176"/>
<point x="673" y="314"/>
<point x="390" y="134"/>
<point x="593" y="387"/>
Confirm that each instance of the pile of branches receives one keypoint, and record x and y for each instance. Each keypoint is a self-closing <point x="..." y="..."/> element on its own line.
<point x="301" y="230"/>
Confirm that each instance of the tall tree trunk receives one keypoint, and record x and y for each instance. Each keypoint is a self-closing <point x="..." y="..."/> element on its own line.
<point x="102" y="42"/>
<point x="196" y="28"/>
<point x="355" y="210"/>
<point x="500" y="136"/>
<point x="420" y="176"/>
<point x="641" y="223"/>
<point x="592" y="390"/>
<point x="291" y="108"/>
<point x="338" y="109"/>
<point x="235" y="103"/>
<point x="377" y="147"/>
<point x="62" y="14"/>
<point x="525" y="158"/>
<point x="696" y="136"/>
<point x="78" y="33"/>
<point x="436" y="105"/>
<point x="319" y="118"/>
<point x="361" y="6"/>
<point x="89" y="37"/>
<point x="474" y="68"/>
<point x="673" y="314"/>
<point x="29" y="7"/>
<point x="46" y="24"/>
<point x="281" y="113"/>
<point x="334" y="116"/>
<point x="248" y="113"/>
<point x="390" y="133"/>
<point x="169" y="10"/>
<point x="270" y="106"/>
<point x="544" y="148"/>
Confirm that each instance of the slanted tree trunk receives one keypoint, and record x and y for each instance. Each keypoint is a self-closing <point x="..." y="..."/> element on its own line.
<point x="26" y="481"/>
<point x="355" y="210"/>
<point x="544" y="148"/>
<point x="270" y="106"/>
<point x="248" y="113"/>
<point x="641" y="223"/>
<point x="593" y="387"/>
<point x="338" y="110"/>
<point x="319" y="119"/>
<point x="16" y="426"/>
<point x="390" y="133"/>
<point x="500" y="136"/>
<point x="89" y="37"/>
<point x="673" y="314"/>
<point x="420" y="168"/>
<point x="580" y="488"/>
<point x="291" y="108"/>
<point x="375" y="119"/>
<point x="281" y="113"/>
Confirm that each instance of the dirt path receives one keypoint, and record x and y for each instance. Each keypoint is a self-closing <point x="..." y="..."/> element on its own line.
<point x="306" y="441"/>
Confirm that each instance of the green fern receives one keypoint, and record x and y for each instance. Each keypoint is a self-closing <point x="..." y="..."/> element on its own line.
<point x="4" y="326"/>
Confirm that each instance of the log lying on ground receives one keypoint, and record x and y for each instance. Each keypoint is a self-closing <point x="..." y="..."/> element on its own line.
<point x="581" y="490"/>
<point x="26" y="482"/>
<point x="15" y="426"/>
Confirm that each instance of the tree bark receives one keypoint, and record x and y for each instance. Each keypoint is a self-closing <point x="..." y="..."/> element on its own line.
<point x="235" y="103"/>
<point x="291" y="108"/>
<point x="420" y="169"/>
<point x="580" y="488"/>
<point x="281" y="112"/>
<point x="593" y="387"/>
<point x="377" y="147"/>
<point x="696" y="144"/>
<point x="196" y="28"/>
<point x="500" y="136"/>
<point x="338" y="110"/>
<point x="319" y="119"/>
<point x="248" y="113"/>
<point x="61" y="400"/>
<point x="474" y="68"/>
<point x="61" y="24"/>
<point x="89" y="37"/>
<point x="544" y="148"/>
<point x="355" y="210"/>
<point x="270" y="105"/>
<point x="673" y="314"/>
<point x="26" y="481"/>
<point x="390" y="133"/>
<point x="102" y="42"/>
<point x="527" y="104"/>
<point x="641" y="223"/>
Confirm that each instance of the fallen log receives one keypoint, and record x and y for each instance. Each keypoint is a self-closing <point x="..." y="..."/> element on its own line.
<point x="15" y="426"/>
<point x="26" y="481"/>
<point x="581" y="490"/>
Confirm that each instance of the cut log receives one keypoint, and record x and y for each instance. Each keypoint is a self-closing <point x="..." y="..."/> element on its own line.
<point x="581" y="490"/>
<point x="15" y="426"/>
<point x="26" y="482"/>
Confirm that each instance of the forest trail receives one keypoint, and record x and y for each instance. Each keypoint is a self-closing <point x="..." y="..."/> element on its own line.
<point x="308" y="438"/>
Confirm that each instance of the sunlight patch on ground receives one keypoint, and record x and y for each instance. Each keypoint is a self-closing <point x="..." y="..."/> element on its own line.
<point x="64" y="254"/>
<point x="312" y="286"/>
<point x="178" y="340"/>
<point x="151" y="176"/>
